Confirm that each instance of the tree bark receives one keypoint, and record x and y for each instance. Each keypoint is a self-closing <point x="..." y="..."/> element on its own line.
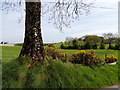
<point x="33" y="43"/>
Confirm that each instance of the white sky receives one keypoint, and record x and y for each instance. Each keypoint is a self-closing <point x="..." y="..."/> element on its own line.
<point x="97" y="22"/>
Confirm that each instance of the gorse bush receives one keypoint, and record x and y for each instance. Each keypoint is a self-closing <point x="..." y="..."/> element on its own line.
<point x="110" y="59"/>
<point x="88" y="58"/>
<point x="55" y="53"/>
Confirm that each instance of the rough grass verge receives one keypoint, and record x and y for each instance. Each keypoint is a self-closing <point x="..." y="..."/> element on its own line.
<point x="56" y="74"/>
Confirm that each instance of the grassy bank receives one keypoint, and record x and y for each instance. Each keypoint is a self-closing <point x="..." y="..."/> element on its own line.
<point x="55" y="74"/>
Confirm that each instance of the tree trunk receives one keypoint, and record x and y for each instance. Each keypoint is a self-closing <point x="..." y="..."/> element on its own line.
<point x="33" y="44"/>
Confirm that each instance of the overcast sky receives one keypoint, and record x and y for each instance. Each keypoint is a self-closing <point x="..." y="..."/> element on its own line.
<point x="100" y="20"/>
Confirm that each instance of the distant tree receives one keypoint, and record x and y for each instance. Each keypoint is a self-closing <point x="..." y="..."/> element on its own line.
<point x="87" y="45"/>
<point x="79" y="39"/>
<point x="102" y="46"/>
<point x="80" y="44"/>
<point x="18" y="44"/>
<point x="62" y="46"/>
<point x="117" y="44"/>
<point x="69" y="39"/>
<point x="109" y="37"/>
<point x="74" y="42"/>
<point x="93" y="40"/>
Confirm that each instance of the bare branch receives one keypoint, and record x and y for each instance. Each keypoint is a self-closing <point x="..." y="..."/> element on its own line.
<point x="63" y="12"/>
<point x="11" y="5"/>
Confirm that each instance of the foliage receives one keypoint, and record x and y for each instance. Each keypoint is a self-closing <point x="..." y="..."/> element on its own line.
<point x="117" y="47"/>
<point x="69" y="39"/>
<point x="102" y="46"/>
<point x="62" y="46"/>
<point x="110" y="46"/>
<point x="110" y="41"/>
<point x="110" y="59"/>
<point x="94" y="46"/>
<point x="65" y="46"/>
<point x="100" y="53"/>
<point x="87" y="46"/>
<point x="56" y="74"/>
<point x="51" y="45"/>
<point x="19" y="44"/>
<point x="92" y="39"/>
<point x="88" y="58"/>
<point x="55" y="53"/>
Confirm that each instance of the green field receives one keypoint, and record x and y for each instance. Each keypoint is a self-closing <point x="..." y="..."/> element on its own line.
<point x="9" y="53"/>
<point x="56" y="74"/>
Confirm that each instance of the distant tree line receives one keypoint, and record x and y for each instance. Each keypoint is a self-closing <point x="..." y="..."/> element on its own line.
<point x="106" y="41"/>
<point x="45" y="44"/>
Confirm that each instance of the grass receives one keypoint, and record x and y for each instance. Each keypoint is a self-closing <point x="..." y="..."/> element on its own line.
<point x="55" y="74"/>
<point x="57" y="45"/>
<point x="102" y="53"/>
<point x="9" y="53"/>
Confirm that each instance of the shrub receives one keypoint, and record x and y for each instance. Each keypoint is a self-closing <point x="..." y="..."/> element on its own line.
<point x="110" y="46"/>
<point x="62" y="46"/>
<point x="51" y="45"/>
<point x="19" y="44"/>
<point x="94" y="46"/>
<point x="75" y="46"/>
<point x="87" y="46"/>
<point x="117" y="47"/>
<point x="110" y="59"/>
<point x="87" y="58"/>
<point x="54" y="53"/>
<point x="102" y="46"/>
<point x="82" y="47"/>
